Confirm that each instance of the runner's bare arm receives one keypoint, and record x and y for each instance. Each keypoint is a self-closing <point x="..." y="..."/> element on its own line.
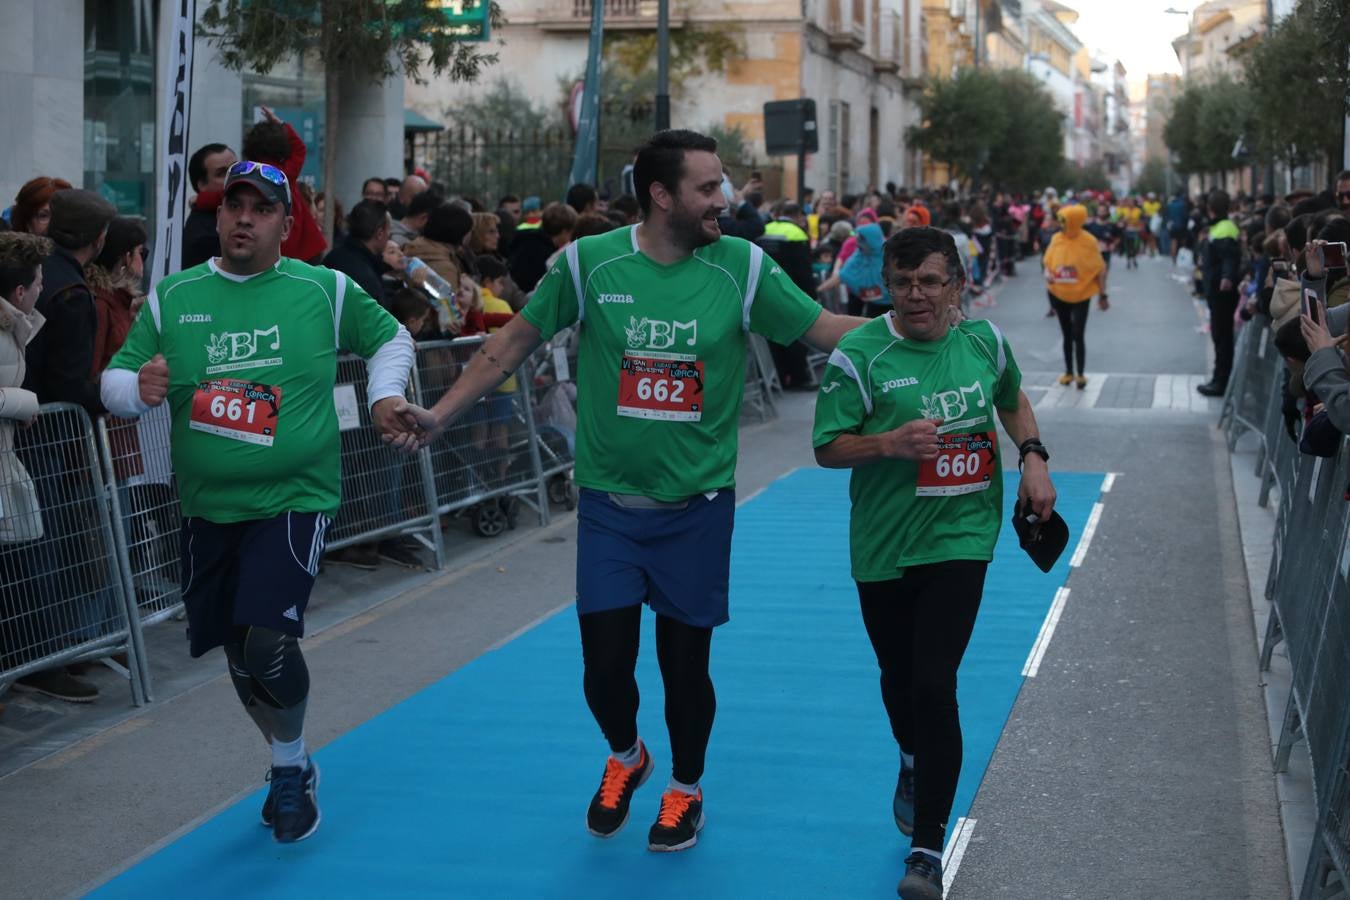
<point x="1035" y="486"/>
<point x="494" y="362"/>
<point x="914" y="440"/>
<point x="828" y="328"/>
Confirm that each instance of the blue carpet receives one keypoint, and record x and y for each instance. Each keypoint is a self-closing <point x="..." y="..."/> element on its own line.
<point x="497" y="762"/>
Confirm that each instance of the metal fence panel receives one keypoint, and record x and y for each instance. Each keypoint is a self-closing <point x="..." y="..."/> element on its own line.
<point x="61" y="595"/>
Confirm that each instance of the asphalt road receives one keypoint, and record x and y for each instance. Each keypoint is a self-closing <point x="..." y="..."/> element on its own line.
<point x="1135" y="763"/>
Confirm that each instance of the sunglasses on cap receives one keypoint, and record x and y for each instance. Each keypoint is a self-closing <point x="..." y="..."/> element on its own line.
<point x="247" y="166"/>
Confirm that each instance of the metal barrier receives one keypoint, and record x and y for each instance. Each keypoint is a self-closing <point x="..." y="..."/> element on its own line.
<point x="552" y="372"/>
<point x="1309" y="590"/>
<point x="61" y="600"/>
<point x="761" y="378"/>
<point x="489" y="459"/>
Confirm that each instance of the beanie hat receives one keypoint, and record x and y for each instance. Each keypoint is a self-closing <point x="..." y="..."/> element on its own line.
<point x="78" y="218"/>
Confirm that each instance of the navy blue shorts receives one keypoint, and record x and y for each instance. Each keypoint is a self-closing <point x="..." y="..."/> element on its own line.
<point x="491" y="410"/>
<point x="678" y="561"/>
<point x="258" y="573"/>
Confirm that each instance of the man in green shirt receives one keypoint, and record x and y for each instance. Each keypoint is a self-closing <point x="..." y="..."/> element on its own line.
<point x="908" y="403"/>
<point x="665" y="309"/>
<point x="244" y="349"/>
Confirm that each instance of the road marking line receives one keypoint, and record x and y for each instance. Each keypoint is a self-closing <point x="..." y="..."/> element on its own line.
<point x="529" y="626"/>
<point x="1108" y="482"/>
<point x="956" y="849"/>
<point x="1085" y="541"/>
<point x="755" y="493"/>
<point x="1047" y="632"/>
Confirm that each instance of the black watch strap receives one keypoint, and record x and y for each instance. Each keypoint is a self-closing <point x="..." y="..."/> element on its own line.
<point x="1031" y="445"/>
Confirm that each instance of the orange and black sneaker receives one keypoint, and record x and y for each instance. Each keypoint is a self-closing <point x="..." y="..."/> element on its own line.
<point x="609" y="806"/>
<point x="679" y="822"/>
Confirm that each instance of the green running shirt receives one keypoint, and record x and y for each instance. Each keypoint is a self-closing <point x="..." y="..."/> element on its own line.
<point x="908" y="513"/>
<point x="252" y="366"/>
<point x="662" y="363"/>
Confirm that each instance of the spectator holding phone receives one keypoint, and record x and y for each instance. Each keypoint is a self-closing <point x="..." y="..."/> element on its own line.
<point x="1325" y="373"/>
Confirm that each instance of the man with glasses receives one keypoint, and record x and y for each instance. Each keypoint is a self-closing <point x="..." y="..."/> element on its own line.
<point x="908" y="402"/>
<point x="243" y="348"/>
<point x="1343" y="191"/>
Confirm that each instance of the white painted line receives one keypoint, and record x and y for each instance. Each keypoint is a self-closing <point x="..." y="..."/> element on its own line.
<point x="956" y="849"/>
<point x="530" y="626"/>
<point x="1047" y="632"/>
<point x="1109" y="482"/>
<point x="1085" y="541"/>
<point x="755" y="493"/>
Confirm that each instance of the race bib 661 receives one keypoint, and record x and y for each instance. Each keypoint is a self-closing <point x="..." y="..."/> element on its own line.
<point x="239" y="410"/>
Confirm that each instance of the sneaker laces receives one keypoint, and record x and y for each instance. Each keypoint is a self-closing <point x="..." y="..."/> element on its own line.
<point x="924" y="866"/>
<point x="287" y="788"/>
<point x="615" y="781"/>
<point x="674" y="804"/>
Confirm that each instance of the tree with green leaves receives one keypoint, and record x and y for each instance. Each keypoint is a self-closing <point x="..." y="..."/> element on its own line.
<point x="373" y="39"/>
<point x="1299" y="96"/>
<point x="992" y="126"/>
<point x="1152" y="178"/>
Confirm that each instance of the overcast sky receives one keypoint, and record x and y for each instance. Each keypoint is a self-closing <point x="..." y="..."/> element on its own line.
<point x="1136" y="32"/>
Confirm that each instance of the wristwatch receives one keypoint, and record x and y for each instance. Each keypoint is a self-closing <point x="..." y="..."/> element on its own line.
<point x="1031" y="445"/>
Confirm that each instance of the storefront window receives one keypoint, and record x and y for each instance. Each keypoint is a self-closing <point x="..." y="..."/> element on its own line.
<point x="294" y="91"/>
<point x="119" y="102"/>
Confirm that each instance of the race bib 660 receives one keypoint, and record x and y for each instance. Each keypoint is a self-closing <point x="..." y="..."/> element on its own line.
<point x="964" y="464"/>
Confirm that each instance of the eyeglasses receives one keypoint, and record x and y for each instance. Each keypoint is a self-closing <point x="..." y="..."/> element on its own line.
<point x="929" y="287"/>
<point x="271" y="173"/>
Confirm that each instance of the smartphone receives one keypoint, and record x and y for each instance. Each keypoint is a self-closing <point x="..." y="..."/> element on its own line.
<point x="1333" y="255"/>
<point x="1310" y="303"/>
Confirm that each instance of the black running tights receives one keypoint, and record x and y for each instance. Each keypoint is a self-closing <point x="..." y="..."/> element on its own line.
<point x="1073" y="324"/>
<point x="919" y="626"/>
<point x="609" y="648"/>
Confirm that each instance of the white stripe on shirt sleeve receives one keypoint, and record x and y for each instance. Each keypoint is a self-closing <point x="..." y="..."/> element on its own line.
<point x="842" y="362"/>
<point x="387" y="371"/>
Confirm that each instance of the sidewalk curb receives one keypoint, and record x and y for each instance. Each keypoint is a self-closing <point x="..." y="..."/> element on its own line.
<point x="1294" y="788"/>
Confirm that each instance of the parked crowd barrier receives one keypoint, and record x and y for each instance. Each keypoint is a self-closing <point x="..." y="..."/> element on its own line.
<point x="97" y="558"/>
<point x="1309" y="590"/>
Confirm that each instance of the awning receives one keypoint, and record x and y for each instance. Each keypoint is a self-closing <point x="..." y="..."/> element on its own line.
<point x="416" y="122"/>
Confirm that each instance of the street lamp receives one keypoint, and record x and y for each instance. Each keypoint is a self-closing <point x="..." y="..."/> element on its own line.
<point x="1186" y="62"/>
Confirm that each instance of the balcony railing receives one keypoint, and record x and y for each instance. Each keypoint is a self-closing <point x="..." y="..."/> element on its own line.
<point x="574" y="15"/>
<point x="844" y="26"/>
<point x="888" y="47"/>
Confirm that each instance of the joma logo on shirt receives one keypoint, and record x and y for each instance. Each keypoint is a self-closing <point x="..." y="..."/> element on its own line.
<point x="657" y="335"/>
<point x="194" y="319"/>
<point x="614" y="298"/>
<point x="897" y="383"/>
<point x="231" y="351"/>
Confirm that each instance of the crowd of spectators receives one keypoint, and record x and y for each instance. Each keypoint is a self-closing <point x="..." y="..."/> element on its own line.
<point x="72" y="280"/>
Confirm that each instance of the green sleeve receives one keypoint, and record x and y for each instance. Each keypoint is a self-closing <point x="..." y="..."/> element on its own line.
<point x="553" y="305"/>
<point x="142" y="341"/>
<point x="366" y="326"/>
<point x="840" y="408"/>
<point x="779" y="310"/>
<point x="1010" y="383"/>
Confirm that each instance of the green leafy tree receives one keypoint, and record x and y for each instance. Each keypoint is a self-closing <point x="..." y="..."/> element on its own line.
<point x="372" y="39"/>
<point x="1090" y="177"/>
<point x="992" y="126"/>
<point x="1181" y="134"/>
<point x="1298" y="97"/>
<point x="1152" y="177"/>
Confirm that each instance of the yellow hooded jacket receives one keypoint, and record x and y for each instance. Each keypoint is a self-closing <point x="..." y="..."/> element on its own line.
<point x="1072" y="261"/>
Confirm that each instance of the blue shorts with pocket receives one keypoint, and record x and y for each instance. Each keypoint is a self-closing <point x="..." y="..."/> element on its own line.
<point x="676" y="560"/>
<point x="258" y="572"/>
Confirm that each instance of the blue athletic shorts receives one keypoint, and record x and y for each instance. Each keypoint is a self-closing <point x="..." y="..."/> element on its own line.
<point x="678" y="561"/>
<point x="491" y="410"/>
<point x="258" y="573"/>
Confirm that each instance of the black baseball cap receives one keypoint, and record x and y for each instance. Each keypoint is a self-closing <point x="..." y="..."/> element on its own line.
<point x="267" y="180"/>
<point x="1043" y="539"/>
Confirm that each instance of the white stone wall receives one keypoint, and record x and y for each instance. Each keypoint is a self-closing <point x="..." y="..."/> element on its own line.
<point x="41" y="92"/>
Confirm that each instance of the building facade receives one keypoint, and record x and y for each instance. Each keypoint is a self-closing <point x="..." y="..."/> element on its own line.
<point x="859" y="60"/>
<point x="84" y="84"/>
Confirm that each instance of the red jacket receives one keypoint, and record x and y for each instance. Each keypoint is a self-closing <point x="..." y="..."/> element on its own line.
<point x="306" y="240"/>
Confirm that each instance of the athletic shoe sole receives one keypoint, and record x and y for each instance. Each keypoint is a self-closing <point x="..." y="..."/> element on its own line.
<point x="318" y="814"/>
<point x="641" y="781"/>
<point x="672" y="848"/>
<point x="922" y="890"/>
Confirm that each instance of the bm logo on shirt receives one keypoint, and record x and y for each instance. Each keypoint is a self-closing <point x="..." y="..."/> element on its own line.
<point x="653" y="334"/>
<point x="949" y="405"/>
<point x="233" y="351"/>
